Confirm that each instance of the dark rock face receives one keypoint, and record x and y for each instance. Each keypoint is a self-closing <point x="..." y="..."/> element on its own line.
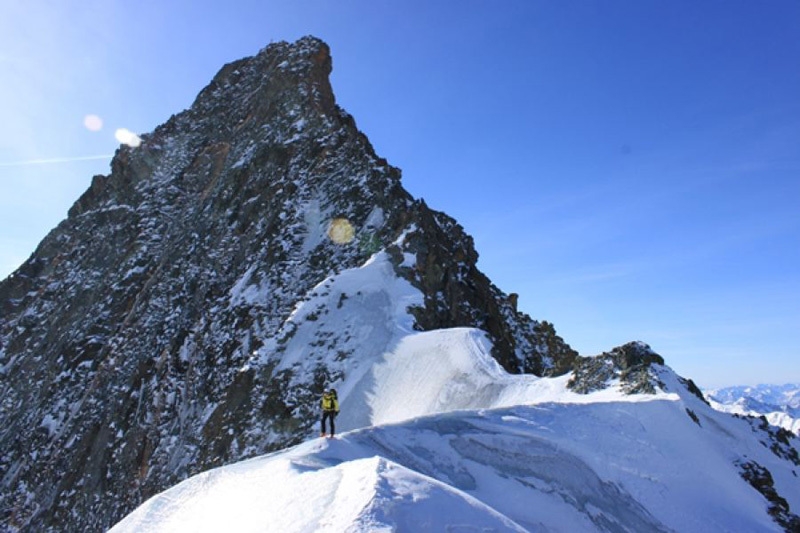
<point x="458" y="294"/>
<point x="761" y="479"/>
<point x="125" y="338"/>
<point x="630" y="364"/>
<point x="779" y="440"/>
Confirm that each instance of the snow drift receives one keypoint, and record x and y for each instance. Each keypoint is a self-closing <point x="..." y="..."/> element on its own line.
<point x="623" y="465"/>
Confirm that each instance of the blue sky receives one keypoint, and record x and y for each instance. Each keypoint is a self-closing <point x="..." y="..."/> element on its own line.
<point x="631" y="169"/>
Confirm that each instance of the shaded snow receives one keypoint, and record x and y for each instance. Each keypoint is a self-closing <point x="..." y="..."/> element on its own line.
<point x="450" y="442"/>
<point x="366" y="494"/>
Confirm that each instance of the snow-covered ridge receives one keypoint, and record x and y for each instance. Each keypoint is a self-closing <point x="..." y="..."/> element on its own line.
<point x="447" y="440"/>
<point x="604" y="465"/>
<point x="384" y="370"/>
<point x="148" y="331"/>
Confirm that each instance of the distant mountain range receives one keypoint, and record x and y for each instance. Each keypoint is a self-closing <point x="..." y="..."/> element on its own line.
<point x="779" y="404"/>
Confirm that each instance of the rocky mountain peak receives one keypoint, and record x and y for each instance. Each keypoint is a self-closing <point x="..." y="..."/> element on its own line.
<point x="145" y="338"/>
<point x="283" y="78"/>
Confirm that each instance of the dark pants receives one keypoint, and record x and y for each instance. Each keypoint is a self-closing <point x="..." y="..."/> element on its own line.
<point x="328" y="415"/>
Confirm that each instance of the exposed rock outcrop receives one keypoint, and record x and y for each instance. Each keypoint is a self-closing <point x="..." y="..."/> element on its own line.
<point x="629" y="364"/>
<point x="761" y="479"/>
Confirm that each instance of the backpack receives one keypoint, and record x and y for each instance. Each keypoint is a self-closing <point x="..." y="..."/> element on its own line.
<point x="330" y="401"/>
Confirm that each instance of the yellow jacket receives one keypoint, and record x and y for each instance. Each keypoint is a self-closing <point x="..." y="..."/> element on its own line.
<point x="329" y="402"/>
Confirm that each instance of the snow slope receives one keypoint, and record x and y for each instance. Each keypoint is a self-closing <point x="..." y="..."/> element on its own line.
<point x="599" y="466"/>
<point x="384" y="370"/>
<point x="442" y="439"/>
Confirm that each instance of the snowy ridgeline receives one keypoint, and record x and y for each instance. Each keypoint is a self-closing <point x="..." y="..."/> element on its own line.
<point x="450" y="442"/>
<point x="779" y="404"/>
<point x="598" y="466"/>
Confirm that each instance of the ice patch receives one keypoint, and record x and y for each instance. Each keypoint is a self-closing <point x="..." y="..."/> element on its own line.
<point x="375" y="219"/>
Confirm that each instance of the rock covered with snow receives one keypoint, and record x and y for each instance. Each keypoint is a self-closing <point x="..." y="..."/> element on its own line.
<point x="156" y="332"/>
<point x="631" y="365"/>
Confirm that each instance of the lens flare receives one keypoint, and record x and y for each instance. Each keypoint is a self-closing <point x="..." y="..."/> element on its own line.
<point x="93" y="122"/>
<point x="341" y="231"/>
<point x="126" y="136"/>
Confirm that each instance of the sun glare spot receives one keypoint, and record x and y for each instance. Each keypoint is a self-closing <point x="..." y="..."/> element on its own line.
<point x="126" y="136"/>
<point x="93" y="122"/>
<point x="341" y="231"/>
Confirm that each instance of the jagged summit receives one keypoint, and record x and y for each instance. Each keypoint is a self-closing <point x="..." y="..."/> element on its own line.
<point x="146" y="338"/>
<point x="268" y="106"/>
<point x="276" y="71"/>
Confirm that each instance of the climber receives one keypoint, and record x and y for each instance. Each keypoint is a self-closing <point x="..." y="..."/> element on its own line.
<point x="330" y="408"/>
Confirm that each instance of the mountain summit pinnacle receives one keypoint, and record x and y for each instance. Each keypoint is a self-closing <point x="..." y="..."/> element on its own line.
<point x="164" y="327"/>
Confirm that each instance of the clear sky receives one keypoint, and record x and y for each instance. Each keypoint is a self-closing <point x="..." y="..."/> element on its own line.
<point x="630" y="168"/>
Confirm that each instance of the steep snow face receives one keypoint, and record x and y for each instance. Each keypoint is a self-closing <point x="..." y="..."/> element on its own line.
<point x="629" y="463"/>
<point x="383" y="369"/>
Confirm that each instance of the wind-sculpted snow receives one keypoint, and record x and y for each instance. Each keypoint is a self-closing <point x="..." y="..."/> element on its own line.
<point x="616" y="466"/>
<point x="383" y="369"/>
<point x="549" y="459"/>
<point x="315" y="494"/>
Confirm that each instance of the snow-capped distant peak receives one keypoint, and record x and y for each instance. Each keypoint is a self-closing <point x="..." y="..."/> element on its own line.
<point x="778" y="404"/>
